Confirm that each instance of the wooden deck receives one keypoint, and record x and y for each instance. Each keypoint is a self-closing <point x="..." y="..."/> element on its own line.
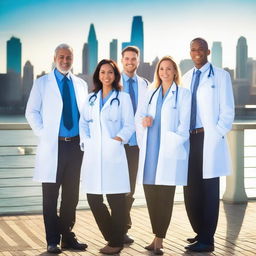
<point x="236" y="233"/>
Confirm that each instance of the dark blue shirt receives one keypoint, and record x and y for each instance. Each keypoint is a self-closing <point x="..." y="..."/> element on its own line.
<point x="64" y="132"/>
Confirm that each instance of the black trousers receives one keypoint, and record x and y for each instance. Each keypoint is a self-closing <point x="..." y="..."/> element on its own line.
<point x="201" y="195"/>
<point x="132" y="154"/>
<point x="111" y="224"/>
<point x="68" y="178"/>
<point x="160" y="204"/>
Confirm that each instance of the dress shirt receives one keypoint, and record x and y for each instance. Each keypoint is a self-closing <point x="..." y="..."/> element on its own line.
<point x="133" y="139"/>
<point x="204" y="71"/>
<point x="63" y="131"/>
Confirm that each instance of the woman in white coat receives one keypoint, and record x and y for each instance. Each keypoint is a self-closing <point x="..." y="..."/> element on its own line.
<point x="164" y="132"/>
<point x="106" y="124"/>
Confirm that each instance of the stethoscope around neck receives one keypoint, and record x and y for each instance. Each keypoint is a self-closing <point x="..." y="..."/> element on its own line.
<point x="176" y="96"/>
<point x="93" y="98"/>
<point x="112" y="112"/>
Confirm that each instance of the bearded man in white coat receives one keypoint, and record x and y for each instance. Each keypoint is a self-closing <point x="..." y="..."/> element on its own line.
<point x="212" y="114"/>
<point x="136" y="87"/>
<point x="53" y="112"/>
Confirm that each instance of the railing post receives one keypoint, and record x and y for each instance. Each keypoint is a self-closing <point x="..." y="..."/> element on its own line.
<point x="235" y="190"/>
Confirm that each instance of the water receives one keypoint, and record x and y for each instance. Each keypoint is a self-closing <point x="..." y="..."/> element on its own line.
<point x="19" y="194"/>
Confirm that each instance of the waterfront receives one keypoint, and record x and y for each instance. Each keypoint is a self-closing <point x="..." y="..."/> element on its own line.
<point x="19" y="194"/>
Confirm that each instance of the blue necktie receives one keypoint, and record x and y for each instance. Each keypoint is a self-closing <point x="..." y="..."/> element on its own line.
<point x="132" y="94"/>
<point x="193" y="103"/>
<point x="67" y="107"/>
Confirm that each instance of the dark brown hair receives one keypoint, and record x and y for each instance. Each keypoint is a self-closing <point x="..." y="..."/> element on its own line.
<point x="96" y="81"/>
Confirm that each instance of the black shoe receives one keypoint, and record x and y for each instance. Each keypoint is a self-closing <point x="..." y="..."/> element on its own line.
<point x="159" y="251"/>
<point x="192" y="240"/>
<point x="71" y="242"/>
<point x="53" y="248"/>
<point x="200" y="247"/>
<point x="128" y="239"/>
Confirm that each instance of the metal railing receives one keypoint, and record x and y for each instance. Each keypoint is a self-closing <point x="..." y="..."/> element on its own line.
<point x="19" y="194"/>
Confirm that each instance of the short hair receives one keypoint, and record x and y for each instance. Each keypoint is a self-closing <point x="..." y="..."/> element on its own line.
<point x="177" y="78"/>
<point x="201" y="40"/>
<point x="131" y="48"/>
<point x="96" y="81"/>
<point x="62" y="46"/>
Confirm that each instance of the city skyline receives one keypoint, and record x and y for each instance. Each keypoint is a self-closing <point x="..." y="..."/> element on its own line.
<point x="168" y="27"/>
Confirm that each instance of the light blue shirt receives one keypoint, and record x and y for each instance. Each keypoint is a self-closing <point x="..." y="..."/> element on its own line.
<point x="63" y="131"/>
<point x="133" y="139"/>
<point x="153" y="142"/>
<point x="203" y="69"/>
<point x="104" y="100"/>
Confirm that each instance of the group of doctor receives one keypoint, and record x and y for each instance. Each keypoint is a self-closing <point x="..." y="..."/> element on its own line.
<point x="161" y="135"/>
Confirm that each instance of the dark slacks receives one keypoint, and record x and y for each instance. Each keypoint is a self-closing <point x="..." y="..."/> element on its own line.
<point x="160" y="204"/>
<point x="132" y="154"/>
<point x="201" y="195"/>
<point x="68" y="178"/>
<point x="111" y="224"/>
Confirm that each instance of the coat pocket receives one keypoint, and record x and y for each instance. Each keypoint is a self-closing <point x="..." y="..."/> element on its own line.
<point x="113" y="150"/>
<point x="174" y="146"/>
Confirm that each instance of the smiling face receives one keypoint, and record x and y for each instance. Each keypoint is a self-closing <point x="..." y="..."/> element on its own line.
<point x="166" y="72"/>
<point x="130" y="61"/>
<point x="63" y="60"/>
<point x="106" y="75"/>
<point x="199" y="52"/>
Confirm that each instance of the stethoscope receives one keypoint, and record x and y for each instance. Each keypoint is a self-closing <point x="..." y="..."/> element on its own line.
<point x="176" y="96"/>
<point x="112" y="112"/>
<point x="93" y="98"/>
<point x="211" y="72"/>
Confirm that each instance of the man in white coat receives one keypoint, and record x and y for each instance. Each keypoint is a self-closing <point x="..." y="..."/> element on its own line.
<point x="53" y="111"/>
<point x="136" y="86"/>
<point x="212" y="114"/>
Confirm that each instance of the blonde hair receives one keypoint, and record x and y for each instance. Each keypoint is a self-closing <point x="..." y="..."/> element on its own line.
<point x="177" y="78"/>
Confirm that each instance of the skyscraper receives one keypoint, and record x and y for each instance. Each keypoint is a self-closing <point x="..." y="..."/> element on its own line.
<point x="14" y="55"/>
<point x="137" y="36"/>
<point x="92" y="55"/>
<point x="217" y="54"/>
<point x="28" y="78"/>
<point x="85" y="59"/>
<point x="241" y="58"/>
<point x="113" y="50"/>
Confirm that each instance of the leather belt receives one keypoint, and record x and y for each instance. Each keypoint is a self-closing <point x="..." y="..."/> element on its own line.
<point x="198" y="130"/>
<point x="67" y="139"/>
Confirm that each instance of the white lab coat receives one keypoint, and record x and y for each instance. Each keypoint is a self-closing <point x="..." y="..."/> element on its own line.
<point x="43" y="113"/>
<point x="172" y="166"/>
<point x="216" y="103"/>
<point x="104" y="167"/>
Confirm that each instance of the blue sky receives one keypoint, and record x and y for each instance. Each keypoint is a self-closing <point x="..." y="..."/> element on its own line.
<point x="168" y="26"/>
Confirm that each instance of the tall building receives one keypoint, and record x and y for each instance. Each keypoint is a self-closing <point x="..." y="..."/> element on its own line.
<point x="241" y="58"/>
<point x="85" y="59"/>
<point x="137" y="36"/>
<point x="28" y="78"/>
<point x="217" y="54"/>
<point x="113" y="50"/>
<point x="92" y="55"/>
<point x="14" y="55"/>
<point x="186" y="65"/>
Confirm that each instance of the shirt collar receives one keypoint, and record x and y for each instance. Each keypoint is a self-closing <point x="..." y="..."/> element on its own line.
<point x="126" y="78"/>
<point x="60" y="76"/>
<point x="204" y="68"/>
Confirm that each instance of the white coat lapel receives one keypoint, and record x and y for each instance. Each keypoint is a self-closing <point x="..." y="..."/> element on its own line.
<point x="152" y="105"/>
<point x="79" y="91"/>
<point x="54" y="85"/>
<point x="171" y="96"/>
